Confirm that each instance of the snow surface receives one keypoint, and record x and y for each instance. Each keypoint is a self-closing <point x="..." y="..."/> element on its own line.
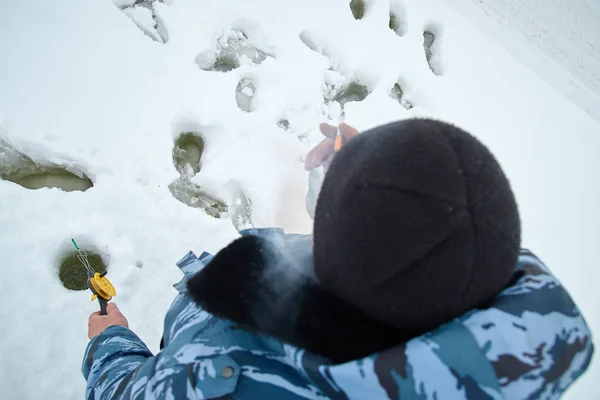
<point x="558" y="39"/>
<point x="81" y="85"/>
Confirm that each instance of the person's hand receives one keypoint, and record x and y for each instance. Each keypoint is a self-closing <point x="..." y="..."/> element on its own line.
<point x="97" y="323"/>
<point x="322" y="154"/>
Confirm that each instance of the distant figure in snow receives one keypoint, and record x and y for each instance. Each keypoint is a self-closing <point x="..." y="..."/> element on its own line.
<point x="413" y="286"/>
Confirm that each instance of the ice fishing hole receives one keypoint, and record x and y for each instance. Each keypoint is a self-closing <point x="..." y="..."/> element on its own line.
<point x="16" y="167"/>
<point x="187" y="153"/>
<point x="73" y="274"/>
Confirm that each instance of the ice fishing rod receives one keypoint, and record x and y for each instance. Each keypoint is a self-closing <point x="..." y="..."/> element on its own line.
<point x="338" y="135"/>
<point x="101" y="288"/>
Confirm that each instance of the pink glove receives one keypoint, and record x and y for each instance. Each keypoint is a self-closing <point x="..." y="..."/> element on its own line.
<point x="322" y="154"/>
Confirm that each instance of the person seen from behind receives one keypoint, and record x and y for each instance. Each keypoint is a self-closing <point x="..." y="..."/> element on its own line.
<point x="413" y="286"/>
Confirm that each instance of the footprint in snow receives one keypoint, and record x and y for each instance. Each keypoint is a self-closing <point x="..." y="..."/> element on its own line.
<point x="398" y="22"/>
<point x="349" y="90"/>
<point x="359" y="8"/>
<point x="284" y="124"/>
<point x="187" y="156"/>
<point x="193" y="195"/>
<point x="187" y="159"/>
<point x="341" y="94"/>
<point x="397" y="93"/>
<point x="144" y="14"/>
<point x="240" y="206"/>
<point x="233" y="51"/>
<point x="187" y="153"/>
<point x="245" y="92"/>
<point x="432" y="50"/>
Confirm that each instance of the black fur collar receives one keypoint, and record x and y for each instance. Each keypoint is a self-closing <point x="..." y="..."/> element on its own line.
<point x="257" y="283"/>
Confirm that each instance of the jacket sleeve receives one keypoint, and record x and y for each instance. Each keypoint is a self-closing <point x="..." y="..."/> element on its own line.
<point x="110" y="362"/>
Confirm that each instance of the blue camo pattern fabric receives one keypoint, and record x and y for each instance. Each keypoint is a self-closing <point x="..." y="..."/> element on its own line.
<point x="531" y="343"/>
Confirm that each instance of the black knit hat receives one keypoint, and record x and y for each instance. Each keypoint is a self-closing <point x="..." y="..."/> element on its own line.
<point x="415" y="224"/>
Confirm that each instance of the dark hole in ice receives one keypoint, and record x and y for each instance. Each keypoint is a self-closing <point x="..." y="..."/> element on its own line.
<point x="73" y="274"/>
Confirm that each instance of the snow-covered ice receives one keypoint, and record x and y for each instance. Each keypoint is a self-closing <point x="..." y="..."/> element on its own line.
<point x="106" y="88"/>
<point x="558" y="39"/>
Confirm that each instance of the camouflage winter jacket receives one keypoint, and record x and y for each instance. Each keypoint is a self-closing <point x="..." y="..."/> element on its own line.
<point x="531" y="343"/>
